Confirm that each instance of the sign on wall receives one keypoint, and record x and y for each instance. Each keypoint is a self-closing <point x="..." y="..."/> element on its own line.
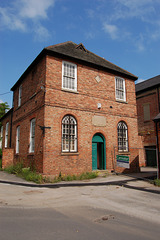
<point x="122" y="161"/>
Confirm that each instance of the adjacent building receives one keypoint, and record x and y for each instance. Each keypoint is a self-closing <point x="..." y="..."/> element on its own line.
<point x="148" y="107"/>
<point x="73" y="112"/>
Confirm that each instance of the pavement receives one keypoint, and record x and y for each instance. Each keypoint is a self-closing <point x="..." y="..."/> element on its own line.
<point x="138" y="181"/>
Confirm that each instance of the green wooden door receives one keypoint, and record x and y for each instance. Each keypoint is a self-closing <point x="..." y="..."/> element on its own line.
<point x="94" y="156"/>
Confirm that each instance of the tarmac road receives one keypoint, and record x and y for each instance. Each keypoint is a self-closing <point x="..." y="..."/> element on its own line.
<point x="80" y="223"/>
<point x="116" y="207"/>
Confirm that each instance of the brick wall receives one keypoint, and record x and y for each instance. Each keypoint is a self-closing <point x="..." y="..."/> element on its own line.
<point x="4" y="121"/>
<point x="32" y="106"/>
<point x="146" y="128"/>
<point x="7" y="157"/>
<point x="44" y="100"/>
<point x="83" y="106"/>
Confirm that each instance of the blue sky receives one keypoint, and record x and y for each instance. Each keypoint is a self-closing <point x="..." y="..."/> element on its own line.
<point x="125" y="32"/>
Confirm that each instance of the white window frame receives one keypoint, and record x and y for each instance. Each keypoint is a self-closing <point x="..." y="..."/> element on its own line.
<point x="120" y="89"/>
<point x="32" y="135"/>
<point x="122" y="132"/>
<point x="17" y="139"/>
<point x="1" y="140"/>
<point x="69" y="134"/>
<point x="19" y="95"/>
<point x="71" y="83"/>
<point x="6" y="135"/>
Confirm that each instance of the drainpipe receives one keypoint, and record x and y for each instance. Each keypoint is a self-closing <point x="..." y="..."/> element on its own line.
<point x="158" y="157"/>
<point x="158" y="99"/>
<point x="10" y="142"/>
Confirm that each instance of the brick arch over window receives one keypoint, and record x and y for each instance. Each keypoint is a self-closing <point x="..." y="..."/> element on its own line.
<point x="122" y="131"/>
<point x="69" y="134"/>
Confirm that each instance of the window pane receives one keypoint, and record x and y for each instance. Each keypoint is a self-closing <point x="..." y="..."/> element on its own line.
<point x="6" y="134"/>
<point x="69" y="78"/>
<point x="122" y="137"/>
<point x="120" y="89"/>
<point x="32" y="135"/>
<point x="17" y="139"/>
<point x="69" y="134"/>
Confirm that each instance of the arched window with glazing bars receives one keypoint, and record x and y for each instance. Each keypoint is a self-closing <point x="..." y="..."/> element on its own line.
<point x="122" y="131"/>
<point x="69" y="134"/>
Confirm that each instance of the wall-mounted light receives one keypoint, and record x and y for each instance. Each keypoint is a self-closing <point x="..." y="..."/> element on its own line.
<point x="99" y="105"/>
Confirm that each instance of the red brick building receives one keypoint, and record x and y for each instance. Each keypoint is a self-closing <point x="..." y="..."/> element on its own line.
<point x="73" y="112"/>
<point x="148" y="107"/>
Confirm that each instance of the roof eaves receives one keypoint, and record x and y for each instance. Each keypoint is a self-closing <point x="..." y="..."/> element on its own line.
<point x="6" y="114"/>
<point x="40" y="55"/>
<point x="148" y="84"/>
<point x="122" y="73"/>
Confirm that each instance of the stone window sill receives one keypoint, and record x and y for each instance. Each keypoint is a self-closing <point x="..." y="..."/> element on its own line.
<point x="124" y="153"/>
<point x="69" y="153"/>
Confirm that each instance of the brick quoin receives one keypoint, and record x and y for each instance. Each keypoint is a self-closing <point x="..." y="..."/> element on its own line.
<point x="44" y="99"/>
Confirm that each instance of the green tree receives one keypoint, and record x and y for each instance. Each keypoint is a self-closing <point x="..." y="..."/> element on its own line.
<point x="3" y="109"/>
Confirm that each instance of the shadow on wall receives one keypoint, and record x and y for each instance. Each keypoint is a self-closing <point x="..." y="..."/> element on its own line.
<point x="134" y="166"/>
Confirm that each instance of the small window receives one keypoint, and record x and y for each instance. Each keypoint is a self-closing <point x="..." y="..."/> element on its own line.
<point x="120" y="89"/>
<point x="19" y="96"/>
<point x="1" y="138"/>
<point x="69" y="76"/>
<point x="69" y="134"/>
<point x="17" y="139"/>
<point x="146" y="111"/>
<point x="122" y="136"/>
<point x="6" y="135"/>
<point x="32" y="135"/>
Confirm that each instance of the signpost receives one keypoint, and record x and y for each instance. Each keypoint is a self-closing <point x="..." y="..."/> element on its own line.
<point x="122" y="161"/>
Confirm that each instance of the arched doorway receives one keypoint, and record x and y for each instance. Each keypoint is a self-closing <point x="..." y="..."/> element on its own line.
<point x="98" y="152"/>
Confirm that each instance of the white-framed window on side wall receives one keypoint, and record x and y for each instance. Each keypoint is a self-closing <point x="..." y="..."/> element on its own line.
<point x="17" y="139"/>
<point x="122" y="132"/>
<point x="120" y="89"/>
<point x="69" y="76"/>
<point x="69" y="134"/>
<point x="19" y="95"/>
<point x="1" y="137"/>
<point x="6" y="135"/>
<point x="32" y="135"/>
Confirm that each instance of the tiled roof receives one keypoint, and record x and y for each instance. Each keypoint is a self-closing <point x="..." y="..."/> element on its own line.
<point x="79" y="52"/>
<point x="147" y="84"/>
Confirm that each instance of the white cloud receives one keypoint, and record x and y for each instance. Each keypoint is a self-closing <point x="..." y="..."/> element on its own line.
<point x="41" y="33"/>
<point x="155" y="35"/>
<point x="139" y="80"/>
<point x="16" y="16"/>
<point x="10" y="21"/>
<point x="1" y="101"/>
<point x="112" y="30"/>
<point x="140" y="43"/>
<point x="133" y="8"/>
<point x="125" y="15"/>
<point x="35" y="8"/>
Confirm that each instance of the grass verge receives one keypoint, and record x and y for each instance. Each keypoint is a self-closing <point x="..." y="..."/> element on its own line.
<point x="29" y="175"/>
<point x="83" y="176"/>
<point x="157" y="182"/>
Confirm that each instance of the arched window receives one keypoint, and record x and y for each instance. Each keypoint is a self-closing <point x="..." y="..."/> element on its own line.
<point x="122" y="136"/>
<point x="69" y="134"/>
